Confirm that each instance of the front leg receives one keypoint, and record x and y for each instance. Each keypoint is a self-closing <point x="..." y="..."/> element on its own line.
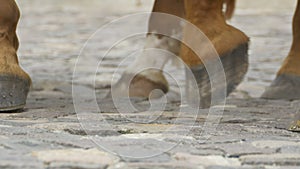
<point x="144" y="80"/>
<point x="287" y="83"/>
<point x="230" y="43"/>
<point x="14" y="82"/>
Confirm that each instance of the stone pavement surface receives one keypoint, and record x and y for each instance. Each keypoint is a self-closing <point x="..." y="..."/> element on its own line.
<point x="252" y="133"/>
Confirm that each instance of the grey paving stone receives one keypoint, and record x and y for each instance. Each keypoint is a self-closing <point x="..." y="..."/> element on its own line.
<point x="75" y="158"/>
<point x="155" y="165"/>
<point x="252" y="133"/>
<point x="272" y="159"/>
<point x="289" y="149"/>
<point x="243" y="167"/>
<point x="10" y="159"/>
<point x="62" y="165"/>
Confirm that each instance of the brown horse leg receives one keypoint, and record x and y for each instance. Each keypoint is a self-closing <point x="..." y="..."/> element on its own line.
<point x="230" y="44"/>
<point x="14" y="82"/>
<point x="287" y="83"/>
<point x="145" y="81"/>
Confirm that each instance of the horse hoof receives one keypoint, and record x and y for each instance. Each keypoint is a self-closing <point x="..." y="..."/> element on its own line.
<point x="139" y="86"/>
<point x="295" y="127"/>
<point x="284" y="87"/>
<point x="13" y="92"/>
<point x="235" y="64"/>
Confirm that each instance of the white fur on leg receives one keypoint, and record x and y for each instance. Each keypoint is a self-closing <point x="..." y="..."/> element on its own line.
<point x="157" y="52"/>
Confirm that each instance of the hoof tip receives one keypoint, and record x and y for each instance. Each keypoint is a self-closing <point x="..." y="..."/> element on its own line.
<point x="13" y="93"/>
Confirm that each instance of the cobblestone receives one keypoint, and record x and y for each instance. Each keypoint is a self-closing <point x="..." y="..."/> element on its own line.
<point x="252" y="133"/>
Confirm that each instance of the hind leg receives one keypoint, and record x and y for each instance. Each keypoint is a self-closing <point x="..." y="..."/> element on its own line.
<point x="14" y="82"/>
<point x="230" y="43"/>
<point x="287" y="83"/>
<point x="145" y="81"/>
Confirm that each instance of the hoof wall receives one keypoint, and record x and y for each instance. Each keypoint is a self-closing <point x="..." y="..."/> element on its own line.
<point x="295" y="127"/>
<point x="138" y="86"/>
<point x="13" y="93"/>
<point x="235" y="64"/>
<point x="284" y="87"/>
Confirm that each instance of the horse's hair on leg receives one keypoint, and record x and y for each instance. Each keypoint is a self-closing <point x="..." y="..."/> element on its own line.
<point x="145" y="80"/>
<point x="229" y="9"/>
<point x="14" y="82"/>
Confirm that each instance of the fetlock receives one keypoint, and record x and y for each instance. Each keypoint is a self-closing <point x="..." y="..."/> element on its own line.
<point x="230" y="44"/>
<point x="14" y="82"/>
<point x="209" y="18"/>
<point x="286" y="85"/>
<point x="9" y="65"/>
<point x="146" y="75"/>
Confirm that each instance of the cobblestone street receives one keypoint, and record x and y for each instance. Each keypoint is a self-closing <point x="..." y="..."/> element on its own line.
<point x="251" y="134"/>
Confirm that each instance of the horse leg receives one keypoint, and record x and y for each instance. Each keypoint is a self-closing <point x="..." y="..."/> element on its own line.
<point x="14" y="82"/>
<point x="230" y="44"/>
<point x="143" y="82"/>
<point x="287" y="83"/>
